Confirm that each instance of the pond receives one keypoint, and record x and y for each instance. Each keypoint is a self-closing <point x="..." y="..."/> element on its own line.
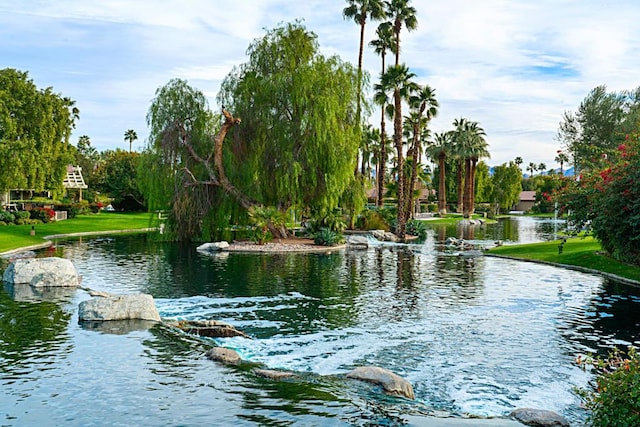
<point x="475" y="336"/>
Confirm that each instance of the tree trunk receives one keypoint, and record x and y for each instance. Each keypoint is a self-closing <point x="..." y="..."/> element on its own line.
<point x="397" y="138"/>
<point x="442" y="188"/>
<point x="460" y="187"/>
<point x="467" y="188"/>
<point x="222" y="179"/>
<point x="472" y="194"/>
<point x="382" y="162"/>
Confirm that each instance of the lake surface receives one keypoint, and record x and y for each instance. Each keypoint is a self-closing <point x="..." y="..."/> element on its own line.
<point x="475" y="336"/>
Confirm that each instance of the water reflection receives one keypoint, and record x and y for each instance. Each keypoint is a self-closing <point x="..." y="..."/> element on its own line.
<point x="473" y="335"/>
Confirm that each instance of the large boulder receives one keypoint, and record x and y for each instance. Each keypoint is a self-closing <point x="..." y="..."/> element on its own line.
<point x="539" y="418"/>
<point x="390" y="382"/>
<point x="357" y="242"/>
<point x="208" y="328"/>
<point x="212" y="247"/>
<point x="119" y="307"/>
<point x="224" y="355"/>
<point x="385" y="236"/>
<point x="42" y="272"/>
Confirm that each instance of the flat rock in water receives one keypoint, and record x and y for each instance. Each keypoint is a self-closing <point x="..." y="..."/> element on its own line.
<point x="390" y="382"/>
<point x="119" y="307"/>
<point x="224" y="355"/>
<point x="208" y="328"/>
<point x="213" y="246"/>
<point x="42" y="272"/>
<point x="274" y="375"/>
<point x="539" y="418"/>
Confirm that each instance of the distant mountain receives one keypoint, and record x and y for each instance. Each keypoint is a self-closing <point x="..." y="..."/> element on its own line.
<point x="566" y="172"/>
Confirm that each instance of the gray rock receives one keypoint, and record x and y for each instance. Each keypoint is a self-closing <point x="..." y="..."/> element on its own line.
<point x="539" y="417"/>
<point x="119" y="307"/>
<point x="384" y="236"/>
<point x="42" y="272"/>
<point x="357" y="242"/>
<point x="212" y="247"/>
<point x="208" y="328"/>
<point x="390" y="382"/>
<point x="273" y="375"/>
<point x="224" y="355"/>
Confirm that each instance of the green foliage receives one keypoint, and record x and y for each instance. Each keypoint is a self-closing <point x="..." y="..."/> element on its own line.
<point x="327" y="237"/>
<point x="7" y="217"/>
<point x="372" y="219"/>
<point x="35" y="125"/>
<point x="117" y="176"/>
<point x="330" y="221"/>
<point x="506" y="185"/>
<point x="42" y="214"/>
<point x="298" y="141"/>
<point x="615" y="399"/>
<point x="609" y="202"/>
<point x="417" y="228"/>
<point x="260" y="218"/>
<point x="354" y="199"/>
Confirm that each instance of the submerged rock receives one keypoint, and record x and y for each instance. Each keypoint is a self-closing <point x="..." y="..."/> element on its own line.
<point x="539" y="418"/>
<point x="208" y="328"/>
<point x="273" y="375"/>
<point x="119" y="307"/>
<point x="224" y="355"/>
<point x="42" y="272"/>
<point x="390" y="382"/>
<point x="385" y="236"/>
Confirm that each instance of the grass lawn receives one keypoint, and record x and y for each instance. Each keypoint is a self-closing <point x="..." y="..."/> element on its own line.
<point x="577" y="251"/>
<point x="18" y="236"/>
<point x="451" y="219"/>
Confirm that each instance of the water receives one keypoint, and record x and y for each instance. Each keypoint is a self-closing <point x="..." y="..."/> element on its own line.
<point x="475" y="336"/>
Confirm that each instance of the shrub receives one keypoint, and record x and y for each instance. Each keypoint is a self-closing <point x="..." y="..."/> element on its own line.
<point x="331" y="221"/>
<point x="615" y="399"/>
<point x="326" y="237"/>
<point x="372" y="220"/>
<point x="417" y="228"/>
<point x="21" y="216"/>
<point x="42" y="214"/>
<point x="7" y="217"/>
<point x="72" y="209"/>
<point x="260" y="218"/>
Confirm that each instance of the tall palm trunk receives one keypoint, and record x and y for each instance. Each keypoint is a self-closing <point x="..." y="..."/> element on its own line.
<point x="472" y="192"/>
<point x="397" y="139"/>
<point x="382" y="161"/>
<point x="460" y="188"/>
<point x="468" y="185"/>
<point x="442" y="188"/>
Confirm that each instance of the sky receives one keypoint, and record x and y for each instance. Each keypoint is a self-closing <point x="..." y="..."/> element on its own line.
<point x="514" y="66"/>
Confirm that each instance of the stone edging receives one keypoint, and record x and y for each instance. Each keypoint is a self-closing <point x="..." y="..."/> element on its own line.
<point x="612" y="276"/>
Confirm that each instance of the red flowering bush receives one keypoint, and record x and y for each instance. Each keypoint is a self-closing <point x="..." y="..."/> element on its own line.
<point x="608" y="201"/>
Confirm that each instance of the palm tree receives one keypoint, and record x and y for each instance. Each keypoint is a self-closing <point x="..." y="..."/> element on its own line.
<point x="476" y="149"/>
<point x="562" y="159"/>
<point x="425" y="105"/>
<point x="458" y="153"/>
<point x="383" y="43"/>
<point x="130" y="136"/>
<point x="542" y="167"/>
<point x="439" y="151"/>
<point x="397" y="80"/>
<point x="532" y="167"/>
<point x="359" y="11"/>
<point x="400" y="12"/>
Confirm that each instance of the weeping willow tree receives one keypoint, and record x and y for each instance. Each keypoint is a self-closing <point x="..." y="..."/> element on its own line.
<point x="295" y="146"/>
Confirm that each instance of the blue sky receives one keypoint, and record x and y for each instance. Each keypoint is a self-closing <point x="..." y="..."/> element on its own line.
<point x="512" y="65"/>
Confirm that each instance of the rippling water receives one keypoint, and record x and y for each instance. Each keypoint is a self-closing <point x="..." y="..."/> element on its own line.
<point x="475" y="336"/>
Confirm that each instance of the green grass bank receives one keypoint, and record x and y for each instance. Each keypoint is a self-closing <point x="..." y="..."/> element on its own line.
<point x="13" y="237"/>
<point x="578" y="252"/>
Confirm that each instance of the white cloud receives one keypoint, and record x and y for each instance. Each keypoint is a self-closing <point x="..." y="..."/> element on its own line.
<point x="513" y="66"/>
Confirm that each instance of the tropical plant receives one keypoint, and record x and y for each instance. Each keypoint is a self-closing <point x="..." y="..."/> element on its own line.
<point x="327" y="237"/>
<point x="130" y="135"/>
<point x="439" y="151"/>
<point x="561" y="158"/>
<point x="614" y="399"/>
<point x="400" y="12"/>
<point x="425" y="107"/>
<point x="417" y="228"/>
<point x="398" y="81"/>
<point x="261" y="218"/>
<point x="381" y="45"/>
<point x="360" y="11"/>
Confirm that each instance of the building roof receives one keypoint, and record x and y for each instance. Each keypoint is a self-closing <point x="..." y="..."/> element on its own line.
<point x="528" y="196"/>
<point x="74" y="178"/>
